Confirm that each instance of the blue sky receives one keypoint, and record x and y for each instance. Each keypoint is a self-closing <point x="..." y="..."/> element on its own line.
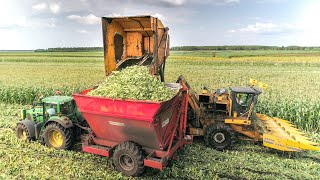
<point x="32" y="24"/>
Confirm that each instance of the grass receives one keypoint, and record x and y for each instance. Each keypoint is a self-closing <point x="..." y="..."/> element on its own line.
<point x="294" y="82"/>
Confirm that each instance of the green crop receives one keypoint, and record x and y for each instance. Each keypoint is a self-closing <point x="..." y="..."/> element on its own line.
<point x="31" y="160"/>
<point x="293" y="79"/>
<point x="292" y="94"/>
<point x="133" y="82"/>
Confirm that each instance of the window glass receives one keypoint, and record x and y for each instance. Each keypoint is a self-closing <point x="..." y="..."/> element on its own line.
<point x="51" y="109"/>
<point x="67" y="108"/>
<point x="244" y="99"/>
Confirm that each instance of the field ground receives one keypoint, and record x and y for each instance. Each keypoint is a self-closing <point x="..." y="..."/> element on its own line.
<point x="293" y="79"/>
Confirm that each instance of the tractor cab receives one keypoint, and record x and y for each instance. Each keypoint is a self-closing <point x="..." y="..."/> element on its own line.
<point x="52" y="106"/>
<point x="244" y="100"/>
<point x="59" y="105"/>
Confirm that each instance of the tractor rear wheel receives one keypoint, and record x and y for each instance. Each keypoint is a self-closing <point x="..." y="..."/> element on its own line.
<point x="219" y="136"/>
<point x="22" y="132"/>
<point x="58" y="137"/>
<point x="128" y="158"/>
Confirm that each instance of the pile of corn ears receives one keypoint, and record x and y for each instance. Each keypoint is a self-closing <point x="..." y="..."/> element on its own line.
<point x="134" y="82"/>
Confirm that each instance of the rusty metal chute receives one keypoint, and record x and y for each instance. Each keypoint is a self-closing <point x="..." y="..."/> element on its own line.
<point x="135" y="40"/>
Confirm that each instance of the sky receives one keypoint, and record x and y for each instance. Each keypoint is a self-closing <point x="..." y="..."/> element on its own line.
<point x="35" y="24"/>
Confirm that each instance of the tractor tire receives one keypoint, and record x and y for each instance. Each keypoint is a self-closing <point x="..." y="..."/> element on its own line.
<point x="219" y="136"/>
<point x="128" y="158"/>
<point x="22" y="132"/>
<point x="58" y="137"/>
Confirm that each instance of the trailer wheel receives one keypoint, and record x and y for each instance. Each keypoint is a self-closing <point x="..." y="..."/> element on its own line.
<point x="22" y="132"/>
<point x="219" y="136"/>
<point x="58" y="137"/>
<point x="128" y="158"/>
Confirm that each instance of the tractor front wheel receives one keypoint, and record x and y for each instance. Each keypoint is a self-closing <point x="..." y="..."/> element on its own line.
<point x="219" y="136"/>
<point x="128" y="158"/>
<point x="22" y="132"/>
<point x="58" y="137"/>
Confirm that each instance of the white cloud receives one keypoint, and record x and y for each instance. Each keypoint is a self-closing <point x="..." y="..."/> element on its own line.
<point x="271" y="1"/>
<point x="113" y="15"/>
<point x="49" y="25"/>
<point x="160" y="16"/>
<point x="90" y="19"/>
<point x="215" y="2"/>
<point x="83" y="31"/>
<point x="266" y="28"/>
<point x="13" y="22"/>
<point x="40" y="6"/>
<point x="174" y="2"/>
<point x="44" y="7"/>
<point x="54" y="8"/>
<point x="165" y="3"/>
<point x="231" y="1"/>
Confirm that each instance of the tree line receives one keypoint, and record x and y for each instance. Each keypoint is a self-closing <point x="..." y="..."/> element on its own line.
<point x="186" y="48"/>
<point x="71" y="49"/>
<point x="250" y="47"/>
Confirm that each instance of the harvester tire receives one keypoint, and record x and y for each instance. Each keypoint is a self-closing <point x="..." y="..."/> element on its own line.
<point x="128" y="158"/>
<point x="22" y="132"/>
<point x="58" y="137"/>
<point x="219" y="136"/>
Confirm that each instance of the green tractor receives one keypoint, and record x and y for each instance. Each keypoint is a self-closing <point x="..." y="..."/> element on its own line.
<point x="54" y="121"/>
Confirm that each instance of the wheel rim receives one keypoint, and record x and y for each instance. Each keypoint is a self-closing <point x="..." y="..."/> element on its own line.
<point x="23" y="134"/>
<point x="55" y="138"/>
<point x="219" y="137"/>
<point x="126" y="162"/>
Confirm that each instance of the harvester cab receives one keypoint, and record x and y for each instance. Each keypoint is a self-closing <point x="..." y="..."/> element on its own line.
<point x="50" y="121"/>
<point x="135" y="40"/>
<point x="243" y="100"/>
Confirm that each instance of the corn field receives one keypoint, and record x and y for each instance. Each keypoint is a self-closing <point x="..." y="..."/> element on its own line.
<point x="293" y="81"/>
<point x="293" y="85"/>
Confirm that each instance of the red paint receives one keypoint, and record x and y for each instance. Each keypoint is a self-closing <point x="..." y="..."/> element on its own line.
<point x="147" y="123"/>
<point x="154" y="164"/>
<point x="152" y="125"/>
<point x="95" y="150"/>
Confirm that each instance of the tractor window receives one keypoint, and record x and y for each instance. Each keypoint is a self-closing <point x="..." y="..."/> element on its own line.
<point x="67" y="108"/>
<point x="51" y="109"/>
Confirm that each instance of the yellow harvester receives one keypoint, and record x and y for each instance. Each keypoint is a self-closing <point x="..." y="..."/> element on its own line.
<point x="229" y="114"/>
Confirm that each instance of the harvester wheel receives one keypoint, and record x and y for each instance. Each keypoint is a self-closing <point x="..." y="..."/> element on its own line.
<point x="22" y="132"/>
<point x="58" y="137"/>
<point x="128" y="158"/>
<point x="219" y="136"/>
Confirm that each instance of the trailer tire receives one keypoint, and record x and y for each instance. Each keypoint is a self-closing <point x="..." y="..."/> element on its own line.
<point x="128" y="158"/>
<point x="23" y="133"/>
<point x="219" y="136"/>
<point x="58" y="137"/>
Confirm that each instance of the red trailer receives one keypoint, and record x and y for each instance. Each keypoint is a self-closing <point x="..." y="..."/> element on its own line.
<point x="136" y="133"/>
